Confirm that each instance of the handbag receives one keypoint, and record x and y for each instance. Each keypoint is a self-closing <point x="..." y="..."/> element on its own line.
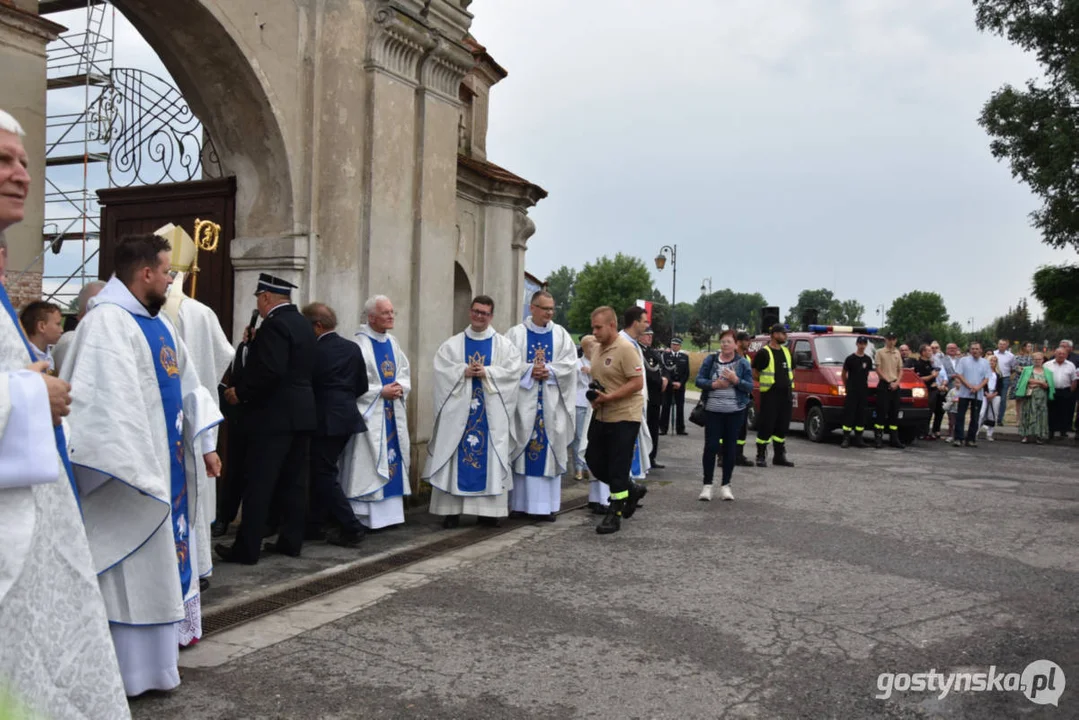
<point x="697" y="416"/>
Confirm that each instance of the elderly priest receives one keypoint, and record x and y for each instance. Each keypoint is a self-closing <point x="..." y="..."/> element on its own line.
<point x="468" y="459"/>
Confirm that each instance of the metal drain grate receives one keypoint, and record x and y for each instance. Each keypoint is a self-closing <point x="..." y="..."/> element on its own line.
<point x="217" y="621"/>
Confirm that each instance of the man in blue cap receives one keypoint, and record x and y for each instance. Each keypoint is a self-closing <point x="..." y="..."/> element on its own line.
<point x="275" y="390"/>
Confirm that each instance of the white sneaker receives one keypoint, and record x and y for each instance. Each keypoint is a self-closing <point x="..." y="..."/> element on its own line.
<point x="706" y="493"/>
<point x="989" y="434"/>
<point x="725" y="492"/>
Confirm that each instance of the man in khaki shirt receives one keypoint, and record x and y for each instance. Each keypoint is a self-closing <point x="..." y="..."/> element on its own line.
<point x="617" y="406"/>
<point x="889" y="364"/>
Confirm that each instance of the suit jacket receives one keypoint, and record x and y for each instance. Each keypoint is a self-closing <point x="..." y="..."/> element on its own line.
<point x="677" y="364"/>
<point x="275" y="385"/>
<point x="340" y="377"/>
<point x="654" y="372"/>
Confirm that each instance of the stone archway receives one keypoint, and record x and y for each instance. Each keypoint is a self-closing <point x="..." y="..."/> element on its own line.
<point x="232" y="99"/>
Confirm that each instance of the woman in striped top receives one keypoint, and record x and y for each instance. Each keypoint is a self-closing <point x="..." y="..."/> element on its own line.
<point x="727" y="382"/>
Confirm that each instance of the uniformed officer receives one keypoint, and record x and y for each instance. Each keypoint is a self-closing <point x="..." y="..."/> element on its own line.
<point x="889" y="369"/>
<point x="773" y="370"/>
<point x="655" y="377"/>
<point x="279" y="412"/>
<point x="856" y="383"/>
<point x="675" y="398"/>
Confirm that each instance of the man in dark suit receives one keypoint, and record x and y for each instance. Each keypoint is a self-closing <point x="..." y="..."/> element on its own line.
<point x="655" y="377"/>
<point x="340" y="377"/>
<point x="279" y="415"/>
<point x="228" y="500"/>
<point x="675" y="401"/>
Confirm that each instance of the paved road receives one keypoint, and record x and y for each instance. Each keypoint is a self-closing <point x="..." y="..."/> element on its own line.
<point x="788" y="602"/>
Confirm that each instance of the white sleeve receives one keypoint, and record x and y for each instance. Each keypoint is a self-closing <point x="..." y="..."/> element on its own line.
<point x="208" y="441"/>
<point x="28" y="444"/>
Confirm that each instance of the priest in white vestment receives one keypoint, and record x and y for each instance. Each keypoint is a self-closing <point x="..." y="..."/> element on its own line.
<point x="469" y="463"/>
<point x="634" y="322"/>
<point x="375" y="464"/>
<point x="137" y="405"/>
<point x="57" y="659"/>
<point x="545" y="419"/>
<point x="210" y="354"/>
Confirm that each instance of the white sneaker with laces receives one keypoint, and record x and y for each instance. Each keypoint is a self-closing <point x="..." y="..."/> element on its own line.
<point x="725" y="493"/>
<point x="706" y="493"/>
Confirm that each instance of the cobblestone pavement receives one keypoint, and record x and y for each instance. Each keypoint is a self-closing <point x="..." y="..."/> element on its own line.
<point x="787" y="602"/>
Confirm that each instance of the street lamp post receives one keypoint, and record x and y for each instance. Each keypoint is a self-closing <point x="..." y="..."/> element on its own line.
<point x="661" y="262"/>
<point x="882" y="313"/>
<point x="707" y="282"/>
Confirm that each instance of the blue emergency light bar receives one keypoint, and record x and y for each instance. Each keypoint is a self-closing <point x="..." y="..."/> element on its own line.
<point x="843" y="329"/>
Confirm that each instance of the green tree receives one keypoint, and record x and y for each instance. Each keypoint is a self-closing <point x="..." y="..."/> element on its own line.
<point x="917" y="312"/>
<point x="699" y="333"/>
<point x="849" y="312"/>
<point x="619" y="282"/>
<point x="1036" y="128"/>
<point x="733" y="309"/>
<point x="1058" y="288"/>
<point x="560" y="284"/>
<point x="822" y="300"/>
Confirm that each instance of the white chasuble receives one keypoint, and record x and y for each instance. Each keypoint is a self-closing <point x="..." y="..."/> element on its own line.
<point x="210" y="354"/>
<point x="57" y="659"/>
<point x="469" y="463"/>
<point x="375" y="464"/>
<point x="545" y="419"/>
<point x="121" y="451"/>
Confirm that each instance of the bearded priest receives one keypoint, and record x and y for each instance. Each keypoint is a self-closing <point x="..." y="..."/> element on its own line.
<point x="136" y="405"/>
<point x="546" y="410"/>
<point x="469" y="463"/>
<point x="375" y="464"/>
<point x="210" y="353"/>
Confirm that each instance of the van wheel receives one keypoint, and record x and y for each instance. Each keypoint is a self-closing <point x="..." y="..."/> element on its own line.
<point x="815" y="427"/>
<point x="751" y="416"/>
<point x="907" y="435"/>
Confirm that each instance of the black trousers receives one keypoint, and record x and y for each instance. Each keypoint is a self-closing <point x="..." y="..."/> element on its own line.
<point x="653" y="427"/>
<point x="1060" y="410"/>
<point x="855" y="409"/>
<point x="937" y="406"/>
<point x="674" y="407"/>
<point x="610" y="453"/>
<point x="887" y="408"/>
<point x="720" y="433"/>
<point x="774" y="418"/>
<point x="975" y="406"/>
<point x="275" y="464"/>
<point x="326" y="496"/>
<point x="228" y="501"/>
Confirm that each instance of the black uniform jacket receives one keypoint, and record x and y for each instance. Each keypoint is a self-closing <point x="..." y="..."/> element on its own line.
<point x="275" y="385"/>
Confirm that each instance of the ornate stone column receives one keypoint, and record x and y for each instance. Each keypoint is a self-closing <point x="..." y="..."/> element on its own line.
<point x="23" y="36"/>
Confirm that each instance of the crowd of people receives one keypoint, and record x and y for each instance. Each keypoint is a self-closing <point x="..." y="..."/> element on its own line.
<point x="962" y="385"/>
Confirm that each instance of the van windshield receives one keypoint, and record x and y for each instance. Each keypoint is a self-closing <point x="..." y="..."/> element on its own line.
<point x="834" y="349"/>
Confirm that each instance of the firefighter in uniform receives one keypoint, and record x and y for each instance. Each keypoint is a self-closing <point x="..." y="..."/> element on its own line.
<point x="655" y="378"/>
<point x="675" y="398"/>
<point x="889" y="369"/>
<point x="773" y="370"/>
<point x="856" y="383"/>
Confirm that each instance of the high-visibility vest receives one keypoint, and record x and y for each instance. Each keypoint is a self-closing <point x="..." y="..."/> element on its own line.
<point x="768" y="375"/>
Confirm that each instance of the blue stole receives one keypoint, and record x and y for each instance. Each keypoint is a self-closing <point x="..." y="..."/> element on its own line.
<point x="58" y="431"/>
<point x="635" y="468"/>
<point x="540" y="347"/>
<point x="472" y="451"/>
<point x="163" y="351"/>
<point x="387" y="370"/>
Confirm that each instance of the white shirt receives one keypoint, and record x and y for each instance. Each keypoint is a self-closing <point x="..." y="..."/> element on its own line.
<point x="582" y="381"/>
<point x="1063" y="373"/>
<point x="1005" y="361"/>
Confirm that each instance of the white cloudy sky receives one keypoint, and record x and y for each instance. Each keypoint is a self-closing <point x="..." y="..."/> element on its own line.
<point x="783" y="145"/>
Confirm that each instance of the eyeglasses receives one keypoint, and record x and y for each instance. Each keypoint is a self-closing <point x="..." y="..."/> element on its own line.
<point x="480" y="313"/>
<point x="549" y="309"/>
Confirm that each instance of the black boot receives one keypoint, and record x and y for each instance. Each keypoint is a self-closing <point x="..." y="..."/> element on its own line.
<point x="636" y="494"/>
<point x="762" y="450"/>
<point x="878" y="439"/>
<point x="858" y="441"/>
<point x="780" y="457"/>
<point x="743" y="461"/>
<point x="612" y="521"/>
<point x="846" y="439"/>
<point x="451" y="521"/>
<point x="893" y="440"/>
